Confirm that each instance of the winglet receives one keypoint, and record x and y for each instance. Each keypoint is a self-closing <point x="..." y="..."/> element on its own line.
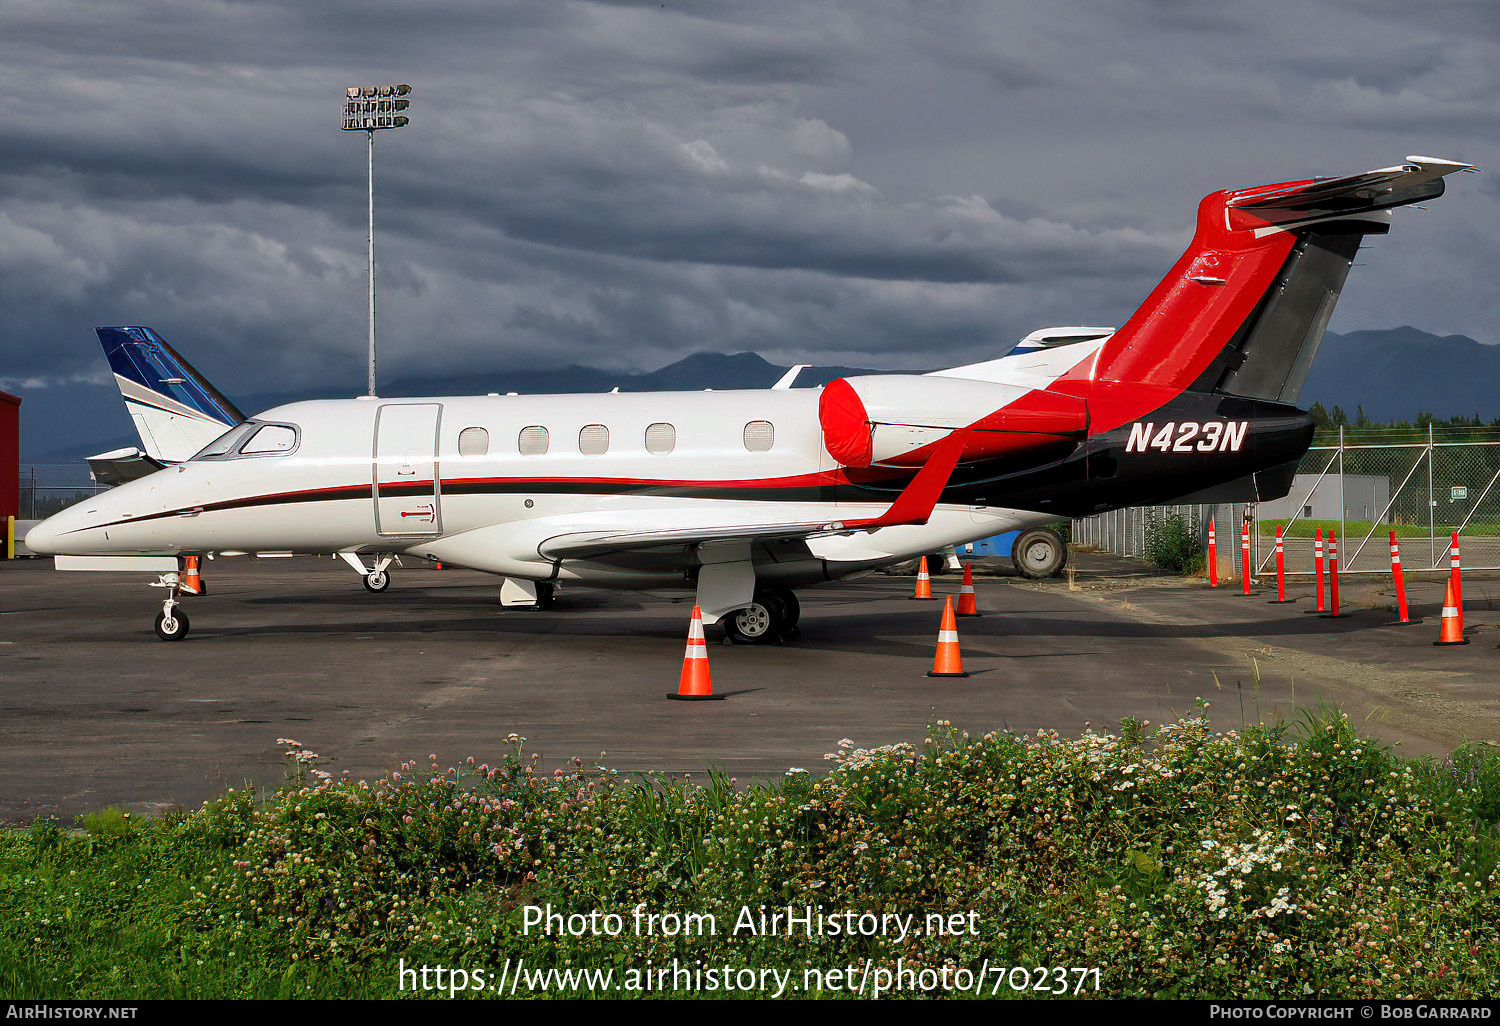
<point x="789" y="377"/>
<point x="918" y="499"/>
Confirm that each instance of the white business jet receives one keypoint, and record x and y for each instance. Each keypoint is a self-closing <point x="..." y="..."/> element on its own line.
<point x="742" y="497"/>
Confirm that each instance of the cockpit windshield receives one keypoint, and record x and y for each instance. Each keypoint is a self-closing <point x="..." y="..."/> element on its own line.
<point x="252" y="438"/>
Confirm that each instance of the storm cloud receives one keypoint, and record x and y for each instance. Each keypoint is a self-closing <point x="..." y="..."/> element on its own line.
<point x="621" y="184"/>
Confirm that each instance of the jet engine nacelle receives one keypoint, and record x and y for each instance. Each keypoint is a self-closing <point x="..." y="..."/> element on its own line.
<point x="895" y="419"/>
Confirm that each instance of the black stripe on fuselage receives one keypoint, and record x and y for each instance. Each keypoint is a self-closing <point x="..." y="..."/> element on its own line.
<point x="749" y="491"/>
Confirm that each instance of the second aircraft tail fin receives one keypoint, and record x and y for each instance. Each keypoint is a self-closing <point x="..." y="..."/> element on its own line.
<point x="175" y="409"/>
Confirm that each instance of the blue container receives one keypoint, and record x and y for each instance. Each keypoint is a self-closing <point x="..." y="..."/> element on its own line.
<point x="996" y="545"/>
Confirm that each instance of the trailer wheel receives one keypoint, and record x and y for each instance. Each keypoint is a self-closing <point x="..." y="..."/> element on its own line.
<point x="1039" y="553"/>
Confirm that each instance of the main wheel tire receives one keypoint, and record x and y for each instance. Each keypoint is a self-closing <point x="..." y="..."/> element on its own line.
<point x="937" y="563"/>
<point x="173" y="628"/>
<point x="759" y="623"/>
<point x="546" y="595"/>
<point x="791" y="607"/>
<point x="1039" y="553"/>
<point x="377" y="581"/>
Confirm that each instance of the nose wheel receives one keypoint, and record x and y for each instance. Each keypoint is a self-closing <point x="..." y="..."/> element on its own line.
<point x="377" y="581"/>
<point x="171" y="626"/>
<point x="171" y="622"/>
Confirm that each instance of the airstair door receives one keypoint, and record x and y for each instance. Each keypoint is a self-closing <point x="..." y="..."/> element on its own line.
<point x="406" y="489"/>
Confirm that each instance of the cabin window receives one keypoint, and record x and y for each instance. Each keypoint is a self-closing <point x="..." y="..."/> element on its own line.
<point x="593" y="440"/>
<point x="473" y="441"/>
<point x="533" y="441"/>
<point x="760" y="435"/>
<point x="661" y="438"/>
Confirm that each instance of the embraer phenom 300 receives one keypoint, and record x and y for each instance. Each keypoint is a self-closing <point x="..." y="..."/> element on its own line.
<point x="742" y="497"/>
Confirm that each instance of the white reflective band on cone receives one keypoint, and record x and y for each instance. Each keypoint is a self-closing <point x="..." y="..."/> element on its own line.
<point x="947" y="637"/>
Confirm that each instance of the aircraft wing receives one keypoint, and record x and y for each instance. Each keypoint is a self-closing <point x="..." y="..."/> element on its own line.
<point x="913" y="506"/>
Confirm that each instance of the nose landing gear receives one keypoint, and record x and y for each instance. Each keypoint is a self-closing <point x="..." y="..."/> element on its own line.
<point x="171" y="626"/>
<point x="171" y="622"/>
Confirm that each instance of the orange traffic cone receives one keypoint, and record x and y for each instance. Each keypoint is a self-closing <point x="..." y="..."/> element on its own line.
<point x="1453" y="619"/>
<point x="967" y="605"/>
<point x="948" y="663"/>
<point x="696" y="685"/>
<point x="924" y="581"/>
<point x="192" y="583"/>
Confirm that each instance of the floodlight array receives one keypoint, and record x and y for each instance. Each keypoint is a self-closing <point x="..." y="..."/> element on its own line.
<point x="367" y="108"/>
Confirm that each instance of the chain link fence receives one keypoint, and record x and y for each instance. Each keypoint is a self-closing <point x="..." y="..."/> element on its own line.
<point x="1358" y="492"/>
<point x="47" y="488"/>
<point x="1125" y="531"/>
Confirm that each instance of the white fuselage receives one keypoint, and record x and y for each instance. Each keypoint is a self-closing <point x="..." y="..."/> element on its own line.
<point x="487" y="482"/>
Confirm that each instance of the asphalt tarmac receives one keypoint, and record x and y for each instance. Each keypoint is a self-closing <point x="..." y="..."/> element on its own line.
<point x="95" y="711"/>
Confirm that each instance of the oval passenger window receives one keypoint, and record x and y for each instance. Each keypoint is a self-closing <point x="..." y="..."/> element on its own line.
<point x="759" y="435"/>
<point x="661" y="438"/>
<point x="533" y="440"/>
<point x="473" y="441"/>
<point x="593" y="440"/>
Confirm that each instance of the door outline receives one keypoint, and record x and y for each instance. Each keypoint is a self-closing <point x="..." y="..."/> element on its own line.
<point x="436" y="523"/>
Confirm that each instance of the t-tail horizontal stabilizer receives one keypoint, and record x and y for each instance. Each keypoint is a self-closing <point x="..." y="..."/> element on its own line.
<point x="1243" y="310"/>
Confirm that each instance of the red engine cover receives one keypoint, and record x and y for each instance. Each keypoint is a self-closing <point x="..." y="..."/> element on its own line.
<point x="846" y="424"/>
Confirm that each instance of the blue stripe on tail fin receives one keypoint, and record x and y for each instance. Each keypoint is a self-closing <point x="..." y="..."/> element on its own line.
<point x="140" y="355"/>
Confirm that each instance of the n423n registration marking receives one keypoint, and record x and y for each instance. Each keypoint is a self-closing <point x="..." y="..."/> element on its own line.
<point x="1188" y="436"/>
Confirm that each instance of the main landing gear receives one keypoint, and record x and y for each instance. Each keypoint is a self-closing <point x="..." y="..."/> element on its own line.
<point x="375" y="577"/>
<point x="770" y="618"/>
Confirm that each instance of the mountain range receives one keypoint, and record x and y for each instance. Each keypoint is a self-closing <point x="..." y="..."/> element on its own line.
<point x="1394" y="374"/>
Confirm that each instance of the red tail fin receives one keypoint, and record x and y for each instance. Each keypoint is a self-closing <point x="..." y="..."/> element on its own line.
<point x="1244" y="308"/>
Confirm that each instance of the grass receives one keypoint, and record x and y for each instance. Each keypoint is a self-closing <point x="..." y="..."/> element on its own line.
<point x="1281" y="860"/>
<point x="1360" y="528"/>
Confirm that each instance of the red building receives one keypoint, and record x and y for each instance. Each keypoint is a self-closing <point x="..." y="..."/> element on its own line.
<point x="10" y="459"/>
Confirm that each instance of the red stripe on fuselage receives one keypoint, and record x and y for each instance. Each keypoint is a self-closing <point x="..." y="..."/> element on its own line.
<point x="479" y="485"/>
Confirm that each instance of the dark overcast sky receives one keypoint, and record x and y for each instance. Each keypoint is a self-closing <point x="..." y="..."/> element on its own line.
<point x="866" y="182"/>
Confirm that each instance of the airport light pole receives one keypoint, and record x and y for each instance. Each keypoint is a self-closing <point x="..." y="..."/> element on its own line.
<point x="369" y="109"/>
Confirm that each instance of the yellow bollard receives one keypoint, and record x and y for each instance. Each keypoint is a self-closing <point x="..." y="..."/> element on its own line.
<point x="10" y="537"/>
